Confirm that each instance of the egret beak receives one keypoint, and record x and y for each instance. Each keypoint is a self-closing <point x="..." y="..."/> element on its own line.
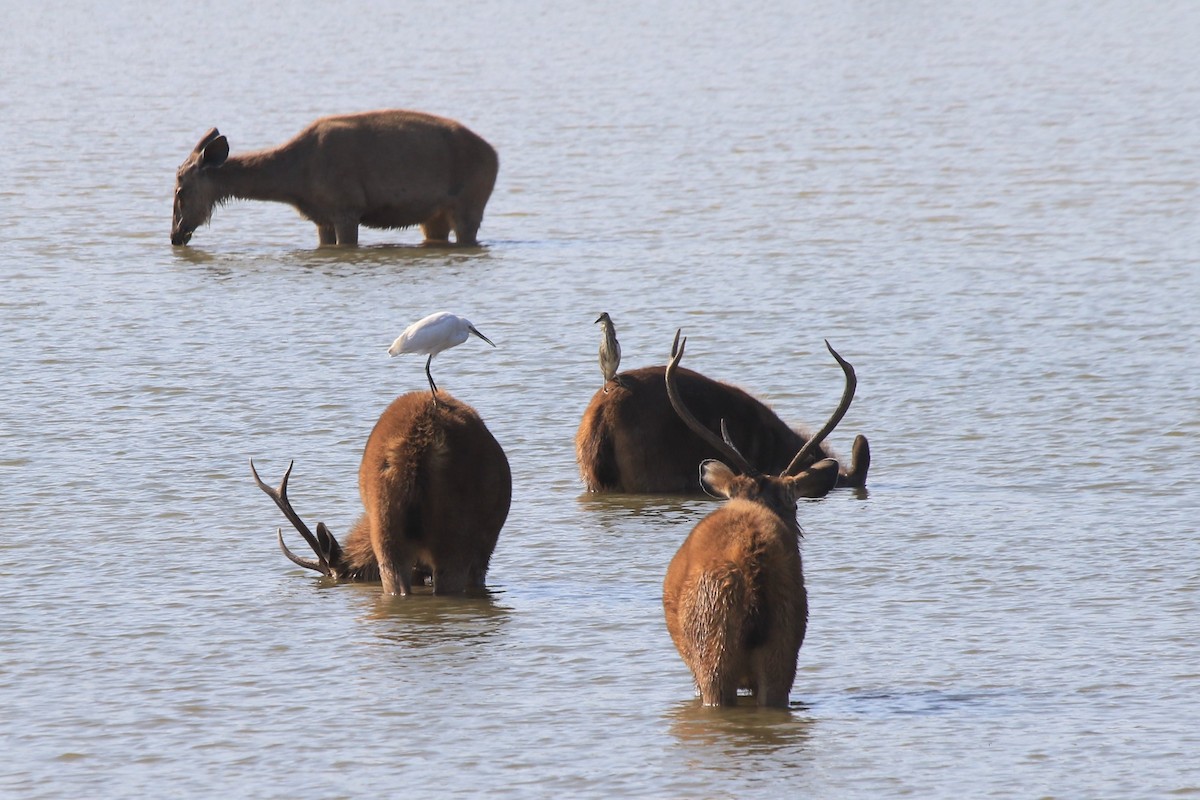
<point x="471" y="328"/>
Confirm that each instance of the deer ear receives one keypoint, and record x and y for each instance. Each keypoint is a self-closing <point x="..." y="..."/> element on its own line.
<point x="215" y="153"/>
<point x="205" y="139"/>
<point x="816" y="481"/>
<point x="715" y="478"/>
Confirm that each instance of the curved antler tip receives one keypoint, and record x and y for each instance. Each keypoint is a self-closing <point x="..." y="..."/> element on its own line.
<point x="675" y="344"/>
<point x="316" y="566"/>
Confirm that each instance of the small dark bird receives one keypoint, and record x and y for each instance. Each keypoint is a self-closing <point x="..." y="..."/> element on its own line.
<point x="610" y="349"/>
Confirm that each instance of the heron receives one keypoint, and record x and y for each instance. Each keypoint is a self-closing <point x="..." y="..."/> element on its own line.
<point x="432" y="335"/>
<point x="610" y="349"/>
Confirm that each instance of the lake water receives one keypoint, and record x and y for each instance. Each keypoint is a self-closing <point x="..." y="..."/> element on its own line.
<point x="991" y="209"/>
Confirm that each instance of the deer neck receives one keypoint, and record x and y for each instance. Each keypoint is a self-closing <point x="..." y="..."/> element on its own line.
<point x="265" y="175"/>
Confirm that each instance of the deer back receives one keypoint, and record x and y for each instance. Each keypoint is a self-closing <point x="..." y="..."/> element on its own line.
<point x="436" y="489"/>
<point x="735" y="603"/>
<point x="631" y="440"/>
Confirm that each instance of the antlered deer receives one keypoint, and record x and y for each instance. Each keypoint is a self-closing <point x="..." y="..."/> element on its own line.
<point x="435" y="487"/>
<point x="382" y="169"/>
<point x="734" y="594"/>
<point x="630" y="439"/>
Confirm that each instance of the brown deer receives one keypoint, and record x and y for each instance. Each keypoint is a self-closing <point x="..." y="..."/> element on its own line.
<point x="435" y="487"/>
<point x="630" y="439"/>
<point x="381" y="169"/>
<point x="734" y="594"/>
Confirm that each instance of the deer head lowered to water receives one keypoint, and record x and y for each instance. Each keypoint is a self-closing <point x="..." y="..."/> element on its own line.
<point x="436" y="488"/>
<point x="631" y="440"/>
<point x="382" y="169"/>
<point x="734" y="596"/>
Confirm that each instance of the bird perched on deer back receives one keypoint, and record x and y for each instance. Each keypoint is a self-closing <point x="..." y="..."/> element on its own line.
<point x="432" y="335"/>
<point x="610" y="350"/>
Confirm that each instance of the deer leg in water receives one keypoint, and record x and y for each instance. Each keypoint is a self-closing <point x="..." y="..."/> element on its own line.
<point x="716" y="691"/>
<point x="449" y="581"/>
<point x="772" y="696"/>
<point x="395" y="581"/>
<point x="347" y="233"/>
<point x="437" y="228"/>
<point x="466" y="226"/>
<point x="326" y="235"/>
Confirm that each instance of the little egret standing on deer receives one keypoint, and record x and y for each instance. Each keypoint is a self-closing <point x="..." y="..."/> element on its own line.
<point x="432" y="335"/>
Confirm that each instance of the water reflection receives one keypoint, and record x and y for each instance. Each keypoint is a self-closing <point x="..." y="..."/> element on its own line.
<point x="331" y="261"/>
<point x="192" y="255"/>
<point x="643" y="505"/>
<point x="389" y="253"/>
<point x="741" y="731"/>
<point x="424" y="620"/>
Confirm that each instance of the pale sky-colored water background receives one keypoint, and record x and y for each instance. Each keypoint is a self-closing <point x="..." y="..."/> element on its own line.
<point x="993" y="210"/>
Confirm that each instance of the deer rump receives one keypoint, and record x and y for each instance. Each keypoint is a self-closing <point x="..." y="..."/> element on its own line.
<point x="736" y="606"/>
<point x="631" y="440"/>
<point x="436" y="488"/>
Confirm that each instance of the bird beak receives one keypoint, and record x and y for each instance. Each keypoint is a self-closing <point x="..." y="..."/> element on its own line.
<point x="598" y="319"/>
<point x="471" y="328"/>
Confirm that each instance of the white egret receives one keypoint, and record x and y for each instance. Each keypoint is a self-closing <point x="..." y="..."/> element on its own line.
<point x="432" y="335"/>
<point x="610" y="349"/>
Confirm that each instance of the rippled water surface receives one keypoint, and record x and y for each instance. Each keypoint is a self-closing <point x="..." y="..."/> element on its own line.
<point x="993" y="210"/>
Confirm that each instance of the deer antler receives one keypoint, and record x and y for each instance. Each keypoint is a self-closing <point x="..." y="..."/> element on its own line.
<point x="324" y="545"/>
<point x="811" y="445"/>
<point x="724" y="447"/>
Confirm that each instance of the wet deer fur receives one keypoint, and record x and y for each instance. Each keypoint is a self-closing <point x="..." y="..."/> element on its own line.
<point x="631" y="440"/>
<point x="381" y="169"/>
<point x="734" y="596"/>
<point x="435" y="487"/>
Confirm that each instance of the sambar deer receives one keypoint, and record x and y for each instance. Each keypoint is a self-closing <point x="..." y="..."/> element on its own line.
<point x="734" y="595"/>
<point x="381" y="169"/>
<point x="435" y="487"/>
<point x="630" y="440"/>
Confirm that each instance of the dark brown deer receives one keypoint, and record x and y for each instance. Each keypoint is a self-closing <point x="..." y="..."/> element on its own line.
<point x="734" y="595"/>
<point x="630" y="439"/>
<point x="435" y="487"/>
<point x="381" y="169"/>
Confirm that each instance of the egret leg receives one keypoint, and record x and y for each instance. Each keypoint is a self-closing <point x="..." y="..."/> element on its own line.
<point x="428" y="374"/>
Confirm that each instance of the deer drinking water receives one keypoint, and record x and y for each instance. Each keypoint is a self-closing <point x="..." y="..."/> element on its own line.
<point x="381" y="169"/>
<point x="734" y="596"/>
<point x="631" y="440"/>
<point x="435" y="487"/>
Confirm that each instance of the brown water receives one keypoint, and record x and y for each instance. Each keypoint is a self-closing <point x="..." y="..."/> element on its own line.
<point x="991" y="209"/>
